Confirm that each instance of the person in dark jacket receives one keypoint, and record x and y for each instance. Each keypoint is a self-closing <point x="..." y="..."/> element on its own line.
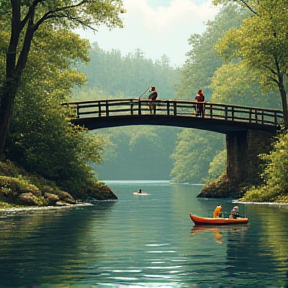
<point x="152" y="96"/>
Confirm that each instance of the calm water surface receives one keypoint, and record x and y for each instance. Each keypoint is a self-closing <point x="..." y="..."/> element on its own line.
<point x="144" y="241"/>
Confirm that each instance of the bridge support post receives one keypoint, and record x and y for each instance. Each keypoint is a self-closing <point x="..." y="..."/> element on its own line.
<point x="237" y="155"/>
<point x="243" y="166"/>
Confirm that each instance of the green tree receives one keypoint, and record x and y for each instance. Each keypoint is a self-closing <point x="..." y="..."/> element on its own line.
<point x="217" y="166"/>
<point x="233" y="83"/>
<point x="265" y="47"/>
<point x="203" y="60"/>
<point x="193" y="154"/>
<point x="40" y="138"/>
<point x="139" y="152"/>
<point x="129" y="76"/>
<point x="23" y="19"/>
<point x="275" y="187"/>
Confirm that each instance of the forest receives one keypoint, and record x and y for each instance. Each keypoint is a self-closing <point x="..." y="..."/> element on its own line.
<point x="38" y="138"/>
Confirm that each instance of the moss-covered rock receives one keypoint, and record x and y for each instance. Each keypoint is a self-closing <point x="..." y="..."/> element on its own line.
<point x="17" y="187"/>
<point x="27" y="199"/>
<point x="52" y="199"/>
<point x="224" y="188"/>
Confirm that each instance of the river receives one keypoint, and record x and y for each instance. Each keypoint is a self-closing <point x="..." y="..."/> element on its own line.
<point x="144" y="241"/>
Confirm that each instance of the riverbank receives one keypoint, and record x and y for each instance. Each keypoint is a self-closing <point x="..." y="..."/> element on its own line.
<point x="259" y="203"/>
<point x="27" y="209"/>
<point x="243" y="191"/>
<point x="18" y="189"/>
<point x="14" y="210"/>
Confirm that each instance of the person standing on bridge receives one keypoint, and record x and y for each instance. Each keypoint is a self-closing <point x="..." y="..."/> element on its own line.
<point x="200" y="99"/>
<point x="152" y="96"/>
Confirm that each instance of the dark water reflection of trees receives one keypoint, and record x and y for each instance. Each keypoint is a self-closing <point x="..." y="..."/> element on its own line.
<point x="57" y="237"/>
<point x="262" y="246"/>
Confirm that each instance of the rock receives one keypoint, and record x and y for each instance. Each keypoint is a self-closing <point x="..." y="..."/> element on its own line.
<point x="224" y="188"/>
<point x="27" y="199"/>
<point x="100" y="192"/>
<point x="66" y="197"/>
<point x="51" y="198"/>
<point x="62" y="203"/>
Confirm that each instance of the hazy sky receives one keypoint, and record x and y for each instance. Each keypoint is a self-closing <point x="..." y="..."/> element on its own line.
<point x="157" y="27"/>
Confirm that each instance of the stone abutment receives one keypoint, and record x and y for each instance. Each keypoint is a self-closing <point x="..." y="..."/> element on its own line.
<point x="243" y="166"/>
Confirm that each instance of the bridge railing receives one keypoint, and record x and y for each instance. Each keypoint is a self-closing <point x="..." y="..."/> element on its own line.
<point x="136" y="106"/>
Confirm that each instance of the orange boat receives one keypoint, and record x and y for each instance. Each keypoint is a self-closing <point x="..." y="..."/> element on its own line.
<point x="217" y="221"/>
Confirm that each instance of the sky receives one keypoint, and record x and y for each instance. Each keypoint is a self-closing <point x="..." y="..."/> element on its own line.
<point x="156" y="27"/>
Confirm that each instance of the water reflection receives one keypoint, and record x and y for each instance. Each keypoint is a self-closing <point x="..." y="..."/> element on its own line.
<point x="44" y="243"/>
<point x="144" y="242"/>
<point x="218" y="232"/>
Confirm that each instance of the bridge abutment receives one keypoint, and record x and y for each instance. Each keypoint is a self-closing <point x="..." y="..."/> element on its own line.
<point x="243" y="166"/>
<point x="236" y="145"/>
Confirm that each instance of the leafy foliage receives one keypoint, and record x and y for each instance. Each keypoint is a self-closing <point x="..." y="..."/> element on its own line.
<point x="128" y="76"/>
<point x="275" y="187"/>
<point x="265" y="46"/>
<point x="193" y="154"/>
<point x="203" y="60"/>
<point x="40" y="137"/>
<point x="29" y="21"/>
<point x="217" y="166"/>
<point x="241" y="87"/>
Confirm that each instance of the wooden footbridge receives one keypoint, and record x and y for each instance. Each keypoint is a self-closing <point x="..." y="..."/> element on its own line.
<point x="249" y="130"/>
<point x="218" y="117"/>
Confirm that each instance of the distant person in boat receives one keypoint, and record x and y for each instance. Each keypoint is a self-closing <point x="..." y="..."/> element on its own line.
<point x="152" y="96"/>
<point x="218" y="211"/>
<point x="234" y="212"/>
<point x="139" y="191"/>
<point x="200" y="98"/>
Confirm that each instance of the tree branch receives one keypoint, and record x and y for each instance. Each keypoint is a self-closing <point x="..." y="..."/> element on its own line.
<point x="249" y="7"/>
<point x="27" y="17"/>
<point x="270" y="69"/>
<point x="53" y="14"/>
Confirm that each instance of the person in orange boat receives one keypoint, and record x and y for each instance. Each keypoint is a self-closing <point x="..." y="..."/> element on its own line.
<point x="234" y="212"/>
<point x="218" y="211"/>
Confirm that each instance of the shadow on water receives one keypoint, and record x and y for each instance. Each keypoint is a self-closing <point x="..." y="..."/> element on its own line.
<point x="48" y="242"/>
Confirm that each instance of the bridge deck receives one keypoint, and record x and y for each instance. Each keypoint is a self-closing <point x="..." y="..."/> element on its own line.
<point x="218" y="117"/>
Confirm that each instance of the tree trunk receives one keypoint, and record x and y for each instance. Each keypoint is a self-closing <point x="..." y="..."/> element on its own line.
<point x="14" y="67"/>
<point x="7" y="101"/>
<point x="284" y="100"/>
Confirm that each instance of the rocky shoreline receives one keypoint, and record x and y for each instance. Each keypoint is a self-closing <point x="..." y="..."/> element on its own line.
<point x="13" y="193"/>
<point x="226" y="188"/>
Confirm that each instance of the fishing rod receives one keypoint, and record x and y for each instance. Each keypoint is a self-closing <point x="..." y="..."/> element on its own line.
<point x="144" y="92"/>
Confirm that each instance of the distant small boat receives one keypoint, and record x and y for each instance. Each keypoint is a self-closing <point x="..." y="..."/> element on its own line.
<point x="139" y="193"/>
<point x="217" y="221"/>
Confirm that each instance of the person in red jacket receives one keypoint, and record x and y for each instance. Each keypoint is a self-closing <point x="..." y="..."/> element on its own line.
<point x="200" y="99"/>
<point x="152" y="96"/>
